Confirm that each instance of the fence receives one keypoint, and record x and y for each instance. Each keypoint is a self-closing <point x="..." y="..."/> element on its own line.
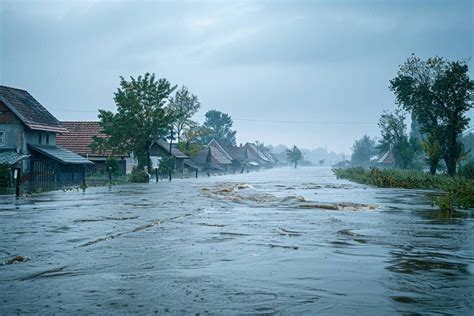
<point x="100" y="179"/>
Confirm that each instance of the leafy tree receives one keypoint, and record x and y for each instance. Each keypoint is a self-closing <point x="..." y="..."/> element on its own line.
<point x="394" y="137"/>
<point x="112" y="165"/>
<point x="433" y="151"/>
<point x="193" y="138"/>
<point x="141" y="118"/>
<point x="294" y="155"/>
<point x="220" y="124"/>
<point x="183" y="106"/>
<point x="437" y="92"/>
<point x="166" y="164"/>
<point x="362" y="150"/>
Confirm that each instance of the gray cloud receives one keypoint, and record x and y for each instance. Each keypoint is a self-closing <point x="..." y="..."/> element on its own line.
<point x="284" y="60"/>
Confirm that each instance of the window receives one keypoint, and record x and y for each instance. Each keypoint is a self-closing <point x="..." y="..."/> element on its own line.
<point x="47" y="138"/>
<point x="40" y="138"/>
<point x="2" y="138"/>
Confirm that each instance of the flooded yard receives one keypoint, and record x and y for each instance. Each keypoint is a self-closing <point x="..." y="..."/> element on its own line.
<point x="277" y="241"/>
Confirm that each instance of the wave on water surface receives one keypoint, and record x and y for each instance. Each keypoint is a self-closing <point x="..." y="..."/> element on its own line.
<point x="245" y="193"/>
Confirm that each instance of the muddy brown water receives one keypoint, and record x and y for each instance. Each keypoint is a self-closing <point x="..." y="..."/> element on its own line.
<point x="279" y="241"/>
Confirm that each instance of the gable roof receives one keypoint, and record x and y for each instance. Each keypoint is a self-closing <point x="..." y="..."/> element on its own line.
<point x="215" y="143"/>
<point x="80" y="136"/>
<point x="29" y="111"/>
<point x="387" y="158"/>
<point x="212" y="157"/>
<point x="62" y="155"/>
<point x="256" y="154"/>
<point x="218" y="157"/>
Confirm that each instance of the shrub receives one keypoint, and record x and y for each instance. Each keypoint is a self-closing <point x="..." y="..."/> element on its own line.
<point x="139" y="176"/>
<point x="455" y="191"/>
<point x="467" y="170"/>
<point x="458" y="193"/>
<point x="5" y="176"/>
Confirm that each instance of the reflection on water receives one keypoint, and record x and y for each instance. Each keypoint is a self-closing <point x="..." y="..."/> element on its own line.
<point x="277" y="241"/>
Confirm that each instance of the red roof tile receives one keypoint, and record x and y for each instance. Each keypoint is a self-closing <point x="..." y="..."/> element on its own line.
<point x="79" y="138"/>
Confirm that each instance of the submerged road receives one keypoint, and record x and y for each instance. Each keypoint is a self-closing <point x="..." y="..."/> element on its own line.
<point x="280" y="241"/>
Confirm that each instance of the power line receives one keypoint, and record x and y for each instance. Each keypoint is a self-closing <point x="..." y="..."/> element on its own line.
<point x="252" y="120"/>
<point x="272" y="121"/>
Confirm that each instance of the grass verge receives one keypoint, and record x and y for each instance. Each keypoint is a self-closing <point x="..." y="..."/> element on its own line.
<point x="455" y="192"/>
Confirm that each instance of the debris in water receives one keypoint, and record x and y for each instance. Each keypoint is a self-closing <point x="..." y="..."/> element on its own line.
<point x="283" y="246"/>
<point x="289" y="233"/>
<point x="16" y="259"/>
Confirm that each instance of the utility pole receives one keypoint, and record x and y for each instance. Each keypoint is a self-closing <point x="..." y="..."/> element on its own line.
<point x="170" y="155"/>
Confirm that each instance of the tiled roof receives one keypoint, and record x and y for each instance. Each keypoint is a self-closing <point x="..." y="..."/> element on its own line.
<point x="11" y="157"/>
<point x="256" y="155"/>
<point x="215" y="143"/>
<point x="79" y="138"/>
<point x="62" y="155"/>
<point x="207" y="157"/>
<point x="218" y="157"/>
<point x="28" y="110"/>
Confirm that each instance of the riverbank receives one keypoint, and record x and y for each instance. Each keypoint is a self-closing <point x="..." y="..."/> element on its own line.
<point x="454" y="192"/>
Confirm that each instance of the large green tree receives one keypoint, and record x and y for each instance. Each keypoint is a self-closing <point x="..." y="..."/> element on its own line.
<point x="183" y="105"/>
<point x="294" y="155"/>
<point x="438" y="93"/>
<point x="141" y="118"/>
<point x="362" y="150"/>
<point x="221" y="126"/>
<point x="395" y="138"/>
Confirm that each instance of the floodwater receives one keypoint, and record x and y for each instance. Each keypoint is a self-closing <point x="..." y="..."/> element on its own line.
<point x="279" y="241"/>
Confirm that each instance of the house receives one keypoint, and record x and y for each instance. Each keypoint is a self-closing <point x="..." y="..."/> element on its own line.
<point x="222" y="155"/>
<point x="211" y="158"/>
<point x="257" y="157"/>
<point x="237" y="154"/>
<point x="79" y="139"/>
<point x="28" y="142"/>
<point x="161" y="148"/>
<point x="387" y="160"/>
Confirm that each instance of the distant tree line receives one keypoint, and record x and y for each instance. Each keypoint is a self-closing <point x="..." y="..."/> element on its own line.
<point x="436" y="94"/>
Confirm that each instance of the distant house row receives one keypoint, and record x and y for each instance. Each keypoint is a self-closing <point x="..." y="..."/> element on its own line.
<point x="212" y="158"/>
<point x="41" y="149"/>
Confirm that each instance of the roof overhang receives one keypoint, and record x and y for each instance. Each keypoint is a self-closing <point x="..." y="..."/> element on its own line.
<point x="46" y="128"/>
<point x="61" y="155"/>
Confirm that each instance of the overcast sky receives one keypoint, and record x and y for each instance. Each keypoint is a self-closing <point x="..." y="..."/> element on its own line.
<point x="324" y="62"/>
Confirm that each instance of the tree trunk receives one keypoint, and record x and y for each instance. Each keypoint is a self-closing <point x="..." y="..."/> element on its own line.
<point x="450" y="164"/>
<point x="296" y="164"/>
<point x="148" y="160"/>
<point x="433" y="167"/>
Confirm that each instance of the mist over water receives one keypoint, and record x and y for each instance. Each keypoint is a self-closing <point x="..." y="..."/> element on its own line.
<point x="278" y="241"/>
